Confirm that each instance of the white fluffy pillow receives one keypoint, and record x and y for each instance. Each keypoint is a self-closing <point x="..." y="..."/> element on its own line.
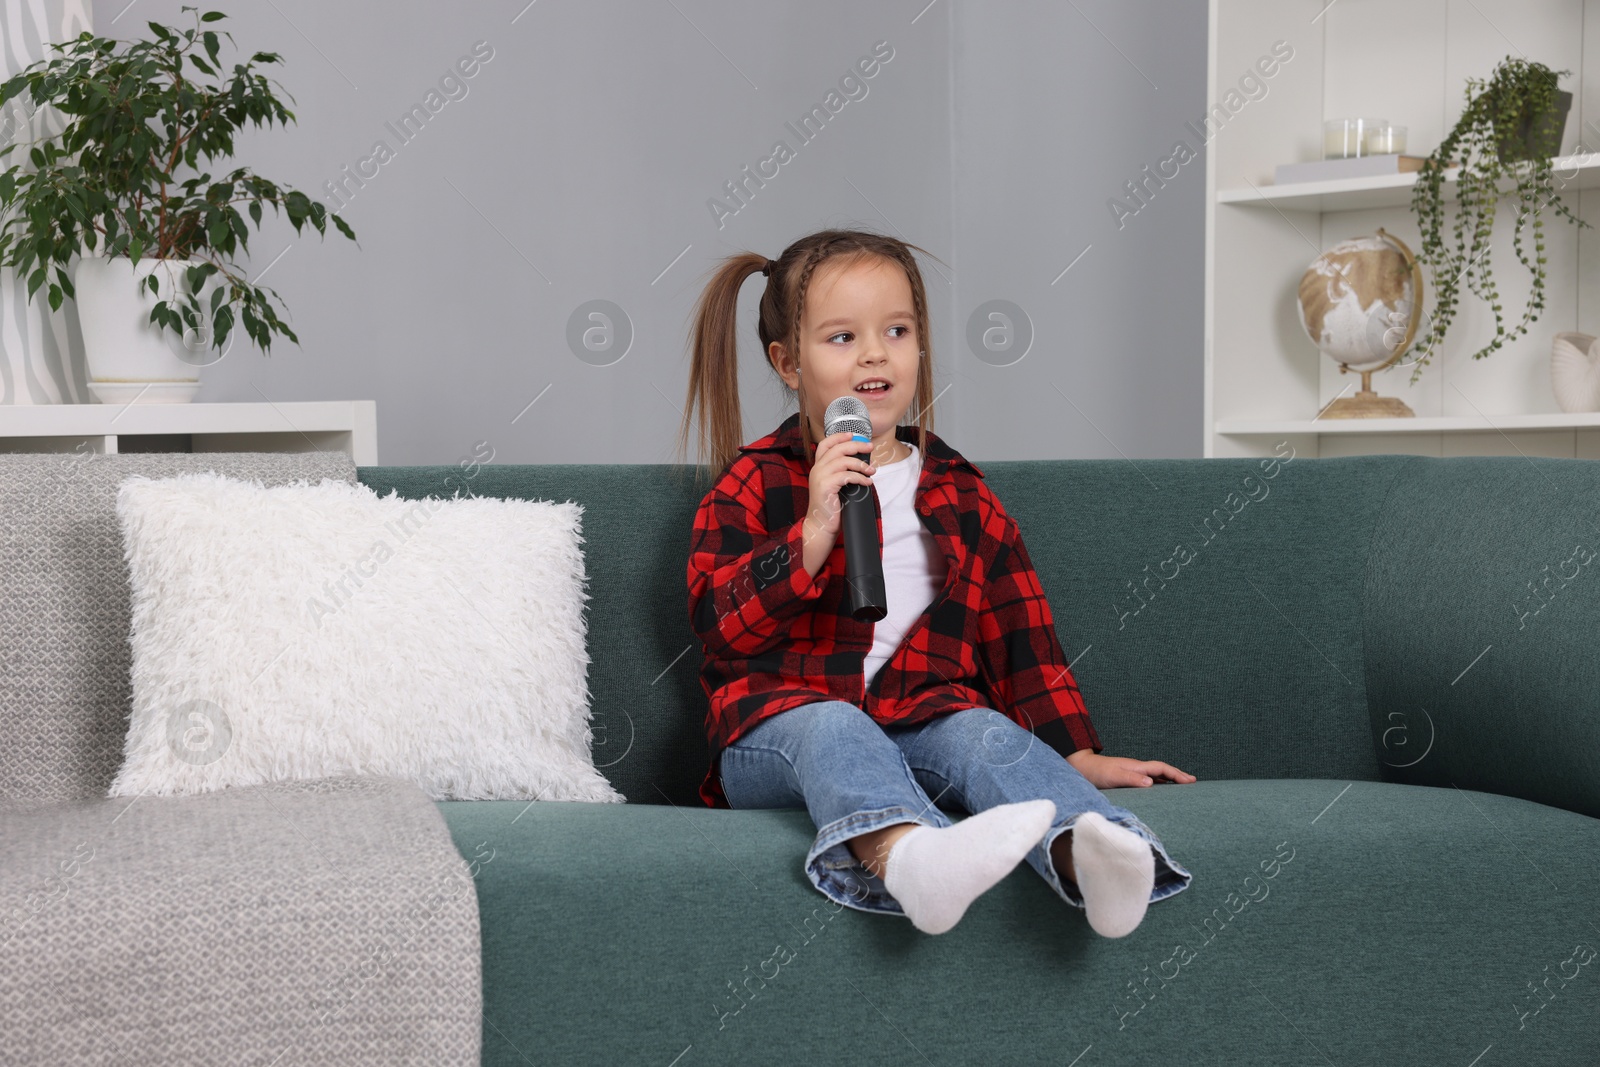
<point x="303" y="631"/>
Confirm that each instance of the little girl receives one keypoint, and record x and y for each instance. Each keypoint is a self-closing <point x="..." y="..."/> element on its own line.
<point x="962" y="691"/>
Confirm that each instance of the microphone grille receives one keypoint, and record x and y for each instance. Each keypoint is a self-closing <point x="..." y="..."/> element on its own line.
<point x="847" y="413"/>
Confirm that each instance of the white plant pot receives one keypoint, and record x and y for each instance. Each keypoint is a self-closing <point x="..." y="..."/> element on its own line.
<point x="129" y="357"/>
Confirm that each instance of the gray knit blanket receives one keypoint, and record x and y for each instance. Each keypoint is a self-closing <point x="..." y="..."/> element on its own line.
<point x="329" y="921"/>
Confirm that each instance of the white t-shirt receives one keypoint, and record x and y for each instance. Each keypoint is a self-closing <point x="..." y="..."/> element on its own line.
<point x="914" y="568"/>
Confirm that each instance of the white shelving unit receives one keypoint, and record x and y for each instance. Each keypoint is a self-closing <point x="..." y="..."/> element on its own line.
<point x="1392" y="190"/>
<point x="292" y="426"/>
<point x="1408" y="61"/>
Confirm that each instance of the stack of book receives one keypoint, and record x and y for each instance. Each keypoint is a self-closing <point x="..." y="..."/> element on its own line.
<point x="1322" y="170"/>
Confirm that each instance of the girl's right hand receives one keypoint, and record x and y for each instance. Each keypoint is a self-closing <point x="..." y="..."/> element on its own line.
<point x="837" y="465"/>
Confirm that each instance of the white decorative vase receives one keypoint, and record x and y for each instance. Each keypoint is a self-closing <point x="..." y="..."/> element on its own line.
<point x="128" y="357"/>
<point x="1575" y="372"/>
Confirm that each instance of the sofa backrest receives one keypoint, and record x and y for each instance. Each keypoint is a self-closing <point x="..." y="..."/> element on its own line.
<point x="65" y="609"/>
<point x="1211" y="607"/>
<point x="1395" y="618"/>
<point x="1245" y="662"/>
<point x="1430" y="621"/>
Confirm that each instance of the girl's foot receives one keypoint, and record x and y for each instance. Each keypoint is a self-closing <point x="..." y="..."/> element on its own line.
<point x="1115" y="871"/>
<point x="937" y="872"/>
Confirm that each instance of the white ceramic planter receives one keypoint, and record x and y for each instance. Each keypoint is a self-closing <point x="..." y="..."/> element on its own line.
<point x="128" y="356"/>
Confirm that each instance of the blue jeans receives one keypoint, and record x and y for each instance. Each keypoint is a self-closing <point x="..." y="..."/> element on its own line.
<point x="854" y="775"/>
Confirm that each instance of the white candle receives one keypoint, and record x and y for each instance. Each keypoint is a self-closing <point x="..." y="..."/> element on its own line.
<point x="1338" y="139"/>
<point x="1386" y="139"/>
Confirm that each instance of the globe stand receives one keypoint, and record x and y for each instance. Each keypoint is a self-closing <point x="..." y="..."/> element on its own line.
<point x="1366" y="404"/>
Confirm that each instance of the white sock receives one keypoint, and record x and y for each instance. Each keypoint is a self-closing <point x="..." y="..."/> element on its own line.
<point x="1115" y="869"/>
<point x="935" y="872"/>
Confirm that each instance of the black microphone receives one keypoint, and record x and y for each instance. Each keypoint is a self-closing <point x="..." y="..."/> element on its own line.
<point x="863" y="555"/>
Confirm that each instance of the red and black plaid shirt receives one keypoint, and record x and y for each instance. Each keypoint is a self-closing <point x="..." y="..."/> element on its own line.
<point x="775" y="638"/>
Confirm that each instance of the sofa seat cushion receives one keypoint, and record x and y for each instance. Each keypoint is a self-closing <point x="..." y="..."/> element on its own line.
<point x="1325" y="916"/>
<point x="326" y="921"/>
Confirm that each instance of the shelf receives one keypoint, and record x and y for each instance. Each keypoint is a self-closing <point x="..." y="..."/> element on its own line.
<point x="1420" y="424"/>
<point x="288" y="426"/>
<point x="1263" y="382"/>
<point x="1391" y="190"/>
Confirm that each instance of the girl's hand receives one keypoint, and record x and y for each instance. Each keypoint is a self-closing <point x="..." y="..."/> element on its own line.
<point x="1111" y="772"/>
<point x="836" y="465"/>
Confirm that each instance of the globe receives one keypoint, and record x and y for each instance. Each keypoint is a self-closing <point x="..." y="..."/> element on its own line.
<point x="1360" y="302"/>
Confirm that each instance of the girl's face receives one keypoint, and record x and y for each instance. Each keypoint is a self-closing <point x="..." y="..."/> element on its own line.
<point x="857" y="325"/>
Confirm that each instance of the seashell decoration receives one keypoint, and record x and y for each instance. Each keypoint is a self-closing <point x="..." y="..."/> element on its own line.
<point x="1575" y="371"/>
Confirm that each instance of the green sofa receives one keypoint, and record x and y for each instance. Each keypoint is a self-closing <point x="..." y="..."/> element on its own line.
<point x="1382" y="670"/>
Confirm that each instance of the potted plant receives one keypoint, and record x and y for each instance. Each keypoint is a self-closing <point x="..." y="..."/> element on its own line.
<point x="1509" y="129"/>
<point x="122" y="195"/>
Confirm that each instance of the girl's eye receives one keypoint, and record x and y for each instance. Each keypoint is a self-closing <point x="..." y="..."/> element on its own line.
<point x="846" y="333"/>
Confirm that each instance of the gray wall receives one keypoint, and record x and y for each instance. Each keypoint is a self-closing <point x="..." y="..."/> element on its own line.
<point x="1056" y="107"/>
<point x="580" y="163"/>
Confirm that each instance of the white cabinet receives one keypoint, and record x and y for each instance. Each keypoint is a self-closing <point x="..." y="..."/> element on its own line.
<point x="1406" y="61"/>
<point x="286" y="426"/>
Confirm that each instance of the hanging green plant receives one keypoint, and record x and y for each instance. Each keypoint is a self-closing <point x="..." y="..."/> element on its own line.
<point x="1509" y="129"/>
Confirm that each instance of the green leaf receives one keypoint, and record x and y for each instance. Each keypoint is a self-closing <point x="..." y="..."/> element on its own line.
<point x="55" y="298"/>
<point x="221" y="325"/>
<point x="212" y="16"/>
